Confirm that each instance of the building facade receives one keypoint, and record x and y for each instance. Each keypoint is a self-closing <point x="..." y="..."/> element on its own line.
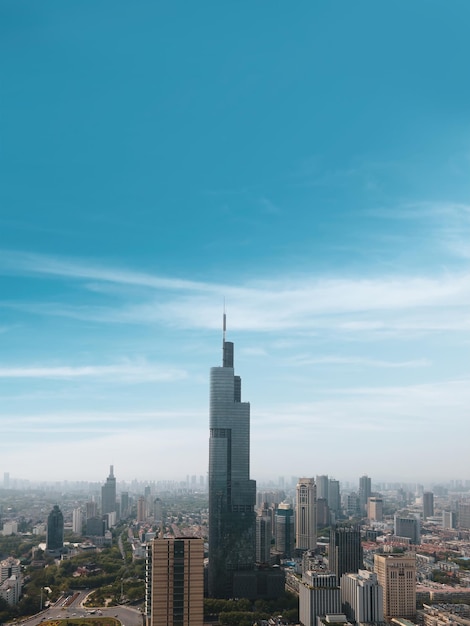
<point x="319" y="595"/>
<point x="285" y="530"/>
<point x="362" y="597"/>
<point x="306" y="515"/>
<point x="428" y="504"/>
<point x="375" y="509"/>
<point x="232" y="494"/>
<point x="396" y="573"/>
<point x="55" y="530"/>
<point x="108" y="493"/>
<point x="365" y="491"/>
<point x="408" y="526"/>
<point x="345" y="550"/>
<point x="176" y="591"/>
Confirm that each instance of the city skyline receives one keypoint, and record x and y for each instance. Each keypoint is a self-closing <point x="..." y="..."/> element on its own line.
<point x="310" y="167"/>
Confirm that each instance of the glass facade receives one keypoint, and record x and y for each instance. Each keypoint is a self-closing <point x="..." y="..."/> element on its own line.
<point x="232" y="495"/>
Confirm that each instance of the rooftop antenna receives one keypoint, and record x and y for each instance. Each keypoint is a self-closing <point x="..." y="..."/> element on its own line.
<point x="224" y="326"/>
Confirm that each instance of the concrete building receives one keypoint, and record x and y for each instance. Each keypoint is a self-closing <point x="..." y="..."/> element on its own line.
<point x="345" y="550"/>
<point x="322" y="483"/>
<point x="141" y="509"/>
<point x="306" y="515"/>
<point x="334" y="499"/>
<point x="319" y="595"/>
<point x="263" y="538"/>
<point x="396" y="573"/>
<point x="176" y="582"/>
<point x="448" y="519"/>
<point x="10" y="589"/>
<point x="464" y="515"/>
<point x="375" y="509"/>
<point x="365" y="490"/>
<point x="77" y="521"/>
<point x="408" y="526"/>
<point x="9" y="567"/>
<point x="232" y="494"/>
<point x="10" y="528"/>
<point x="362" y="597"/>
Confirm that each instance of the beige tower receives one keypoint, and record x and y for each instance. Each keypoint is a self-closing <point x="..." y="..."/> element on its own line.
<point x="375" y="508"/>
<point x="396" y="573"/>
<point x="306" y="515"/>
<point x="177" y="583"/>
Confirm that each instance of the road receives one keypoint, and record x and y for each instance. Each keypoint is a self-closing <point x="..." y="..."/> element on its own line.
<point x="126" y="615"/>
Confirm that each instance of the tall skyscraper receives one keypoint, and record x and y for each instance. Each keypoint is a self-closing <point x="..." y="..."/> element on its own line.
<point x="334" y="500"/>
<point x="322" y="487"/>
<point x="396" y="574"/>
<point x="232" y="494"/>
<point x="319" y="594"/>
<point x="306" y="515"/>
<point x="345" y="551"/>
<point x="108" y="493"/>
<point x="176" y="582"/>
<point x="77" y="519"/>
<point x="365" y="490"/>
<point x="55" y="530"/>
<point x="263" y="538"/>
<point x="428" y="504"/>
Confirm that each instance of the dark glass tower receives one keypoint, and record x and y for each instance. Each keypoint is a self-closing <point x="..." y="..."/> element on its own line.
<point x="345" y="552"/>
<point x="232" y="495"/>
<point x="108" y="493"/>
<point x="55" y="530"/>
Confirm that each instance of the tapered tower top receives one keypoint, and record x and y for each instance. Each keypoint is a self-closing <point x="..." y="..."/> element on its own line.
<point x="227" y="347"/>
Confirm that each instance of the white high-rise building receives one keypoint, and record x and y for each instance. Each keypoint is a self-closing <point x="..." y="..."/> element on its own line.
<point x="306" y="515"/>
<point x="319" y="594"/>
<point x="362" y="597"/>
<point x="77" y="521"/>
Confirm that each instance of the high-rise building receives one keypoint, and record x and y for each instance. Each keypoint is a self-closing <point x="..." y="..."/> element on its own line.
<point x="428" y="504"/>
<point x="232" y="494"/>
<point x="334" y="500"/>
<point x="319" y="594"/>
<point x="263" y="538"/>
<point x="323" y="513"/>
<point x="124" y="504"/>
<point x="306" y="515"/>
<point x="141" y="509"/>
<point x="322" y="487"/>
<point x="55" y="530"/>
<point x="464" y="515"/>
<point x="396" y="573"/>
<point x="9" y="567"/>
<point x="176" y="591"/>
<point x="108" y="493"/>
<point x="285" y="536"/>
<point x="407" y="526"/>
<point x="365" y="490"/>
<point x="362" y="597"/>
<point x="345" y="550"/>
<point x="375" y="509"/>
<point x="77" y="521"/>
<point x="448" y="519"/>
<point x="91" y="509"/>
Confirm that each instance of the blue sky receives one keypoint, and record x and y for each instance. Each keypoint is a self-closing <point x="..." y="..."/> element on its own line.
<point x="308" y="162"/>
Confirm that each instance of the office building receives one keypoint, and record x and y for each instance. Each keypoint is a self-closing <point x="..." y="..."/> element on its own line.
<point x="284" y="533"/>
<point x="365" y="490"/>
<point x="396" y="573"/>
<point x="125" y="504"/>
<point x="91" y="509"/>
<point x="77" y="521"/>
<point x="176" y="589"/>
<point x="232" y="494"/>
<point x="407" y="526"/>
<point x="306" y="515"/>
<point x="319" y="594"/>
<point x="448" y="519"/>
<point x="141" y="509"/>
<point x="322" y="483"/>
<point x="323" y="513"/>
<point x="9" y="567"/>
<point x="334" y="499"/>
<point x="55" y="530"/>
<point x="428" y="504"/>
<point x="464" y="515"/>
<point x="345" y="550"/>
<point x="375" y="509"/>
<point x="108" y="493"/>
<point x="263" y="538"/>
<point x="362" y="597"/>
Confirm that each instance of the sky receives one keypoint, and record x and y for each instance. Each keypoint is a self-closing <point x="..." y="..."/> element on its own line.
<point x="306" y="163"/>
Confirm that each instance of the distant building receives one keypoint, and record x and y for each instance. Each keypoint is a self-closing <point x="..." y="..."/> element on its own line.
<point x="108" y="493"/>
<point x="9" y="567"/>
<point x="362" y="597"/>
<point x="345" y="551"/>
<point x="322" y="483"/>
<point x="263" y="539"/>
<point x="448" y="519"/>
<point x="141" y="509"/>
<point x="125" y="504"/>
<point x="464" y="515"/>
<point x="408" y="526"/>
<point x="375" y="509"/>
<point x="323" y="513"/>
<point x="365" y="490"/>
<point x="10" y="589"/>
<point x="396" y="573"/>
<point x="55" y="530"/>
<point x="334" y="500"/>
<point x="10" y="528"/>
<point x="428" y="504"/>
<point x="176" y="582"/>
<point x="305" y="515"/>
<point x="91" y="510"/>
<point x="95" y="527"/>
<point x="77" y="521"/>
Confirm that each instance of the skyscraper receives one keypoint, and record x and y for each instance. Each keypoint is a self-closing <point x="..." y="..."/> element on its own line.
<point x="408" y="526"/>
<point x="396" y="574"/>
<point x="306" y="515"/>
<point x="365" y="490"/>
<point x="345" y="551"/>
<point x="428" y="504"/>
<point x="232" y="495"/>
<point x="284" y="538"/>
<point x="176" y="582"/>
<point x="362" y="597"/>
<point x="55" y="530"/>
<point x="108" y="493"/>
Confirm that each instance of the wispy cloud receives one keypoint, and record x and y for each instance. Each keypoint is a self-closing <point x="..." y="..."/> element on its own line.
<point x="356" y="361"/>
<point x="126" y="372"/>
